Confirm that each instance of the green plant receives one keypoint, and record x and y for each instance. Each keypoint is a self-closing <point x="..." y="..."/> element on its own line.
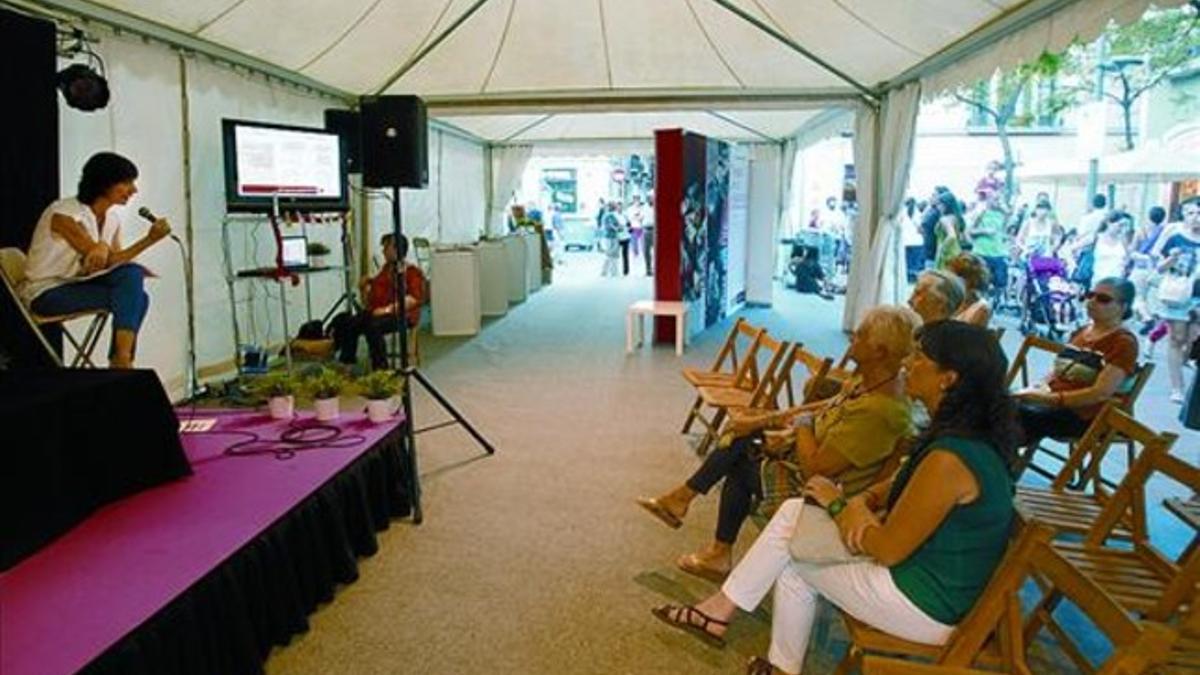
<point x="317" y="248"/>
<point x="275" y="384"/>
<point x="379" y="385"/>
<point x="325" y="383"/>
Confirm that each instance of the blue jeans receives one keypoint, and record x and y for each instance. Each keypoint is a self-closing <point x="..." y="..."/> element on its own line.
<point x="119" y="292"/>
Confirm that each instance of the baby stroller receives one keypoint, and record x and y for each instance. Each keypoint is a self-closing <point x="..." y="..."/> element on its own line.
<point x="1049" y="306"/>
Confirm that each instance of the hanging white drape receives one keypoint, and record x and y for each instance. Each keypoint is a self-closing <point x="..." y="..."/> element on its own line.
<point x="883" y="145"/>
<point x="787" y="173"/>
<point x="508" y="165"/>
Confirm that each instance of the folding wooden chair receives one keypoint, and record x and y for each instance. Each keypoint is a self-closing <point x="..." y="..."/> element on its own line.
<point x="982" y="638"/>
<point x="12" y="264"/>
<point x="723" y="399"/>
<point x="1125" y="398"/>
<point x="736" y="365"/>
<point x="1139" y="577"/>
<point x="1075" y="509"/>
<point x="1137" y="647"/>
<point x="1184" y="656"/>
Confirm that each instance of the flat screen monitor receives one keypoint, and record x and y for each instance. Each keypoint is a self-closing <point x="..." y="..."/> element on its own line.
<point x="303" y="166"/>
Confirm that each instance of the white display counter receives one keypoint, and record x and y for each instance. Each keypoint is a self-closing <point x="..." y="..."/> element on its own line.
<point x="515" y="253"/>
<point x="533" y="261"/>
<point x="455" y="302"/>
<point x="493" y="278"/>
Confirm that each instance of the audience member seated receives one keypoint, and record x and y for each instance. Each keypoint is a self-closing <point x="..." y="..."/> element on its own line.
<point x="379" y="316"/>
<point x="973" y="271"/>
<point x="805" y="267"/>
<point x="1101" y="357"/>
<point x="846" y="438"/>
<point x="926" y="541"/>
<point x="937" y="295"/>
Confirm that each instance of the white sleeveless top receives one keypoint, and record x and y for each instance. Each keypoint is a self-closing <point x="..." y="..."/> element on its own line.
<point x="52" y="261"/>
<point x="1109" y="259"/>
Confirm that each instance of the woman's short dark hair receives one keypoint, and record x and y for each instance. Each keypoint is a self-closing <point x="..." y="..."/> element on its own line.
<point x="977" y="405"/>
<point x="1157" y="214"/>
<point x="1125" y="293"/>
<point x="102" y="171"/>
<point x="401" y="250"/>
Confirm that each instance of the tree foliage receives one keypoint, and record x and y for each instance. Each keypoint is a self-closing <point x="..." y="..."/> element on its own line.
<point x="1133" y="59"/>
<point x="997" y="100"/>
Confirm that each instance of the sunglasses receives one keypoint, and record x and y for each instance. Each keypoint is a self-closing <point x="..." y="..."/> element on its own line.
<point x="1102" y="298"/>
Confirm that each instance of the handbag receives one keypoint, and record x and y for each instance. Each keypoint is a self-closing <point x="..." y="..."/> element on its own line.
<point x="817" y="540"/>
<point x="1175" y="289"/>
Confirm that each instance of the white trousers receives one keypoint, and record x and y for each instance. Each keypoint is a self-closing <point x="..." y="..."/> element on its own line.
<point x="864" y="589"/>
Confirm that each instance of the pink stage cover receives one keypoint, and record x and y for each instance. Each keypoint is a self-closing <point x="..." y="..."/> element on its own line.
<point x="66" y="604"/>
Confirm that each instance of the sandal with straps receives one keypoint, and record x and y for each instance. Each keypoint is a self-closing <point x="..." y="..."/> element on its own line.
<point x="684" y="617"/>
<point x="759" y="666"/>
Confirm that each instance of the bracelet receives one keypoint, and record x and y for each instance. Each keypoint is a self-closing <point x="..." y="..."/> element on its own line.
<point x="836" y="506"/>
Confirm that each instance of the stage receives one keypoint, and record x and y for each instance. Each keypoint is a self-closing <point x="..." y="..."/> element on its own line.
<point x="206" y="573"/>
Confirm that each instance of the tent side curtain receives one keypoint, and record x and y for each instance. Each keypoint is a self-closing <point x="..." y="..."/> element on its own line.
<point x="1083" y="20"/>
<point x="508" y="165"/>
<point x="883" y="150"/>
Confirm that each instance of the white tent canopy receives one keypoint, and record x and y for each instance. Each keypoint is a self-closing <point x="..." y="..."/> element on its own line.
<point x="513" y="74"/>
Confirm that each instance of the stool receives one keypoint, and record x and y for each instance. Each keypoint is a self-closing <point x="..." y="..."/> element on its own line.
<point x="641" y="308"/>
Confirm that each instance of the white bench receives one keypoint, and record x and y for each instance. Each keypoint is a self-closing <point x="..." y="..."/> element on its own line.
<point x="641" y="308"/>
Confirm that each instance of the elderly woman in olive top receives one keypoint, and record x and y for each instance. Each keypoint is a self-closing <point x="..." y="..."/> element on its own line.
<point x="945" y="523"/>
<point x="847" y="437"/>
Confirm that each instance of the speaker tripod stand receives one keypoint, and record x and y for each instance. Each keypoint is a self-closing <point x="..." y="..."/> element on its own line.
<point x="410" y="374"/>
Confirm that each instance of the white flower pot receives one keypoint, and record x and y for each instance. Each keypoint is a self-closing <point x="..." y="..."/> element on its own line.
<point x="282" y="407"/>
<point x="326" y="409"/>
<point x="382" y="410"/>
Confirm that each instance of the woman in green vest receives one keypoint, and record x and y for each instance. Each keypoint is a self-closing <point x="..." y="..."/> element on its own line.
<point x="926" y="540"/>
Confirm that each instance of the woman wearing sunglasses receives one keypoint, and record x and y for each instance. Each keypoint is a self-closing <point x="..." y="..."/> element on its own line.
<point x="1100" y="358"/>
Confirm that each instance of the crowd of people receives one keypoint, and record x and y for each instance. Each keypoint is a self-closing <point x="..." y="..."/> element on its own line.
<point x="624" y="229"/>
<point x="902" y="503"/>
<point x="1038" y="266"/>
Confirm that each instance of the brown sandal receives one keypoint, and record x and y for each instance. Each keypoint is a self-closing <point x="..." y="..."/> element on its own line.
<point x="691" y="564"/>
<point x="683" y="619"/>
<point x="759" y="666"/>
<point x="661" y="512"/>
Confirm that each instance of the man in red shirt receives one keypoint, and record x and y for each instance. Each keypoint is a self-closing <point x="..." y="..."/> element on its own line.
<point x="379" y="316"/>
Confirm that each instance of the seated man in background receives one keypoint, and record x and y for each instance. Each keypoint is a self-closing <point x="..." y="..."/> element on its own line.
<point x="379" y="298"/>
<point x="938" y="295"/>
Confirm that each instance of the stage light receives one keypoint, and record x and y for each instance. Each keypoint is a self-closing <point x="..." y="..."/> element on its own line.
<point x="83" y="85"/>
<point x="83" y="88"/>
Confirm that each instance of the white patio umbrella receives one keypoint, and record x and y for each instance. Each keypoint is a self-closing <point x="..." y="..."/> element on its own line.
<point x="1151" y="163"/>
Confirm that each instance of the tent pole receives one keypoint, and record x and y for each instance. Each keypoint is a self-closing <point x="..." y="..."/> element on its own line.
<point x="433" y="44"/>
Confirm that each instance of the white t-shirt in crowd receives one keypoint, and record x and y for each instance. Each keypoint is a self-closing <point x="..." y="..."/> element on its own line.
<point x="833" y="222"/>
<point x="1089" y="225"/>
<point x="52" y="261"/>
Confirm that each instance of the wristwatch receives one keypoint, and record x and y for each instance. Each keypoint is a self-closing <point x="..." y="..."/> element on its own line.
<point x="836" y="506"/>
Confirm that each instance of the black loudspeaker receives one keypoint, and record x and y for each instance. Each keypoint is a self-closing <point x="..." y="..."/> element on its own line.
<point x="395" y="144"/>
<point x="348" y="125"/>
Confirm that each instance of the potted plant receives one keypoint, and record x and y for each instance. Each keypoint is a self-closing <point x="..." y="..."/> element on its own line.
<point x="326" y="385"/>
<point x="380" y="389"/>
<point x="316" y="253"/>
<point x="280" y="390"/>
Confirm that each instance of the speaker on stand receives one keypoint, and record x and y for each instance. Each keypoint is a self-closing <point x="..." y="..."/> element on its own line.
<point x="395" y="154"/>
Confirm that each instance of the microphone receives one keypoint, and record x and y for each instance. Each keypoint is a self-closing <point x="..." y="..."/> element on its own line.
<point x="149" y="215"/>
